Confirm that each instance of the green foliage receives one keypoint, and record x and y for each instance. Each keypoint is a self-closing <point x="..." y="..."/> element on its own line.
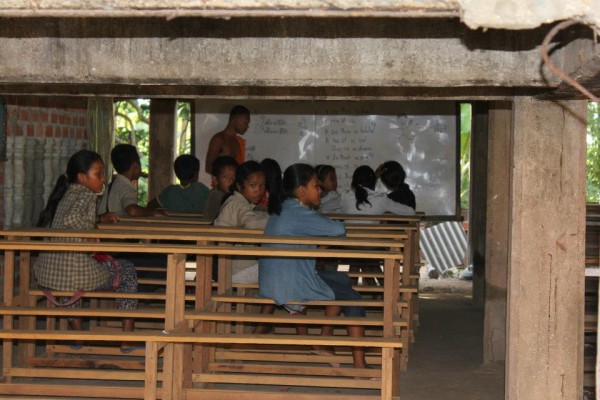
<point x="465" y="154"/>
<point x="184" y="131"/>
<point x="132" y="125"/>
<point x="593" y="154"/>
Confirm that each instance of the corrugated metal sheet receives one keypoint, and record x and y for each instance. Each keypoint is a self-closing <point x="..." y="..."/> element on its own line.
<point x="444" y="245"/>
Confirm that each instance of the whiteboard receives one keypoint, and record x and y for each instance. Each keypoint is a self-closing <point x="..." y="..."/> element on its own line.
<point x="422" y="136"/>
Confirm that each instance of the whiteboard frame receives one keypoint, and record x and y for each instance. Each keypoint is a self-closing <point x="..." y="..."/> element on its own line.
<point x="201" y="154"/>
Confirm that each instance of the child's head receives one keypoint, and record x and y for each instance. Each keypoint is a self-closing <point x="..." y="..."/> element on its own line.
<point x="223" y="173"/>
<point x="250" y="181"/>
<point x="273" y="183"/>
<point x="85" y="168"/>
<point x="186" y="168"/>
<point x="327" y="177"/>
<point x="392" y="174"/>
<point x="363" y="178"/>
<point x="300" y="182"/>
<point x="125" y="159"/>
<point x="272" y="172"/>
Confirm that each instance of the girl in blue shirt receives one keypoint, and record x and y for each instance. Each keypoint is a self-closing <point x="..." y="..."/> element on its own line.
<point x="296" y="279"/>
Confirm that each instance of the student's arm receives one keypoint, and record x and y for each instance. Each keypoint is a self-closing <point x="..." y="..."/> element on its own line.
<point x="398" y="208"/>
<point x="214" y="148"/>
<point x="314" y="224"/>
<point x="153" y="204"/>
<point x="251" y="219"/>
<point x="108" y="217"/>
<point x="80" y="215"/>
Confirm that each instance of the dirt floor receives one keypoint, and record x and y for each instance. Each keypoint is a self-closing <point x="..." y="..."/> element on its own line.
<point x="446" y="359"/>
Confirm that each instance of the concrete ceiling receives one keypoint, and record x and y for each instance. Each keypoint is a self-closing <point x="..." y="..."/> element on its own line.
<point x="500" y="14"/>
<point x="293" y="48"/>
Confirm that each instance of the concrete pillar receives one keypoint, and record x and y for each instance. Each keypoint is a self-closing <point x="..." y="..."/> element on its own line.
<point x="163" y="125"/>
<point x="477" y="198"/>
<point x="546" y="256"/>
<point x="496" y="244"/>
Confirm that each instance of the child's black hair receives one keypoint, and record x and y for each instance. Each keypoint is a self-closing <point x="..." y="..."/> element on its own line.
<point x="323" y="170"/>
<point x="237" y="111"/>
<point x="221" y="162"/>
<point x="245" y="170"/>
<point x="80" y="162"/>
<point x="295" y="175"/>
<point x="363" y="177"/>
<point x="123" y="156"/>
<point x="273" y="183"/>
<point x="186" y="166"/>
<point x="392" y="175"/>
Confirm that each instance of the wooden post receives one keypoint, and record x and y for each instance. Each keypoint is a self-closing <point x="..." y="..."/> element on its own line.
<point x="163" y="122"/>
<point x="546" y="256"/>
<point x="496" y="242"/>
<point x="477" y="198"/>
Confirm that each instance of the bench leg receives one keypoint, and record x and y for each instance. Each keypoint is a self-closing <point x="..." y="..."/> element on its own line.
<point x="387" y="373"/>
<point x="151" y="375"/>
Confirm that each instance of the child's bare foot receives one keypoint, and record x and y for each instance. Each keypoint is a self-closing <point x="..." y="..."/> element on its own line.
<point x="367" y="378"/>
<point x="324" y="352"/>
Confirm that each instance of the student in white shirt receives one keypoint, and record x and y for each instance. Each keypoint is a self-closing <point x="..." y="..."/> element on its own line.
<point x="363" y="199"/>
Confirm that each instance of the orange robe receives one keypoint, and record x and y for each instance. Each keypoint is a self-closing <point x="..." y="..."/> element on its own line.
<point x="241" y="155"/>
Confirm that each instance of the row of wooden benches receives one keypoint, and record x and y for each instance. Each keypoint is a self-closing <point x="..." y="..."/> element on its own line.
<point x="196" y="347"/>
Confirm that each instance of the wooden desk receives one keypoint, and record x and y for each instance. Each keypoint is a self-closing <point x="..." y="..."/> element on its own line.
<point x="177" y="366"/>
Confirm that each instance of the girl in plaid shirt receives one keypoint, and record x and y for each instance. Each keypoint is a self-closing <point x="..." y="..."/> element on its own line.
<point x="72" y="205"/>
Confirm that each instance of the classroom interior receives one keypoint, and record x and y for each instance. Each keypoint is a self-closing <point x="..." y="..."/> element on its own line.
<point x="62" y="69"/>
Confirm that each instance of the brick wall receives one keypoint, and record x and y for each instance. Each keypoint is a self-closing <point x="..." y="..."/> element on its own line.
<point x="43" y="117"/>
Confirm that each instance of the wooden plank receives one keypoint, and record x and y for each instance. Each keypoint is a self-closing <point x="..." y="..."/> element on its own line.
<point x="193" y="249"/>
<point x="101" y="392"/>
<point x="218" y="394"/>
<point x="67" y="373"/>
<point x="83" y="312"/>
<point x="296" y="319"/>
<point x="86" y="362"/>
<point x="154" y="233"/>
<point x="262" y="300"/>
<point x="162" y="219"/>
<point x="294" y="370"/>
<point x="290" y="356"/>
<point x="288" y="381"/>
<point x="296" y="340"/>
<point x="106" y="295"/>
<point x="409" y="219"/>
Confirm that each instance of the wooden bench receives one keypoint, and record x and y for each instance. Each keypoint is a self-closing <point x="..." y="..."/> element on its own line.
<point x="404" y="229"/>
<point x="204" y="234"/>
<point x="176" y="377"/>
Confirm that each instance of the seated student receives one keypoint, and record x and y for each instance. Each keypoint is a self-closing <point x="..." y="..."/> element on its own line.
<point x="72" y="205"/>
<point x="121" y="194"/>
<point x="392" y="175"/>
<point x="288" y="280"/>
<point x="223" y="177"/>
<point x="190" y="195"/>
<point x="363" y="199"/>
<point x="239" y="211"/>
<point x="330" y="198"/>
